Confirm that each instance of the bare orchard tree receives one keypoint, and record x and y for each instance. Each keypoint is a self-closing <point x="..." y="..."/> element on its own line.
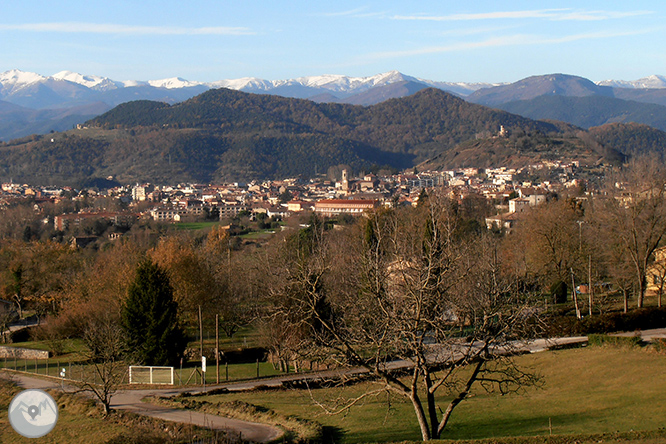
<point x="410" y="290"/>
<point x="106" y="343"/>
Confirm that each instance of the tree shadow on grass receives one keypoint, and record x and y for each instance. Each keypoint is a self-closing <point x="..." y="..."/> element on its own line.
<point x="332" y="434"/>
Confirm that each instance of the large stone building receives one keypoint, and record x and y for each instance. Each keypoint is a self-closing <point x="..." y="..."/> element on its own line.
<point x="334" y="207"/>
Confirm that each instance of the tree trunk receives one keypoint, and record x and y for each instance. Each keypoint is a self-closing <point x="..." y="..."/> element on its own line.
<point x="107" y="407"/>
<point x="462" y="395"/>
<point x="420" y="415"/>
<point x="626" y="300"/>
<point x="432" y="405"/>
<point x="641" y="292"/>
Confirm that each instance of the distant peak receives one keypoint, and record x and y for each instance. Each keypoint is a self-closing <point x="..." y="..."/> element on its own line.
<point x="173" y="82"/>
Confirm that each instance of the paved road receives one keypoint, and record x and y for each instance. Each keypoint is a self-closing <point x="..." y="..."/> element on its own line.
<point x="130" y="400"/>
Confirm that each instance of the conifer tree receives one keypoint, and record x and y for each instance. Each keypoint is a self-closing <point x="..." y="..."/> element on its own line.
<point x="149" y="318"/>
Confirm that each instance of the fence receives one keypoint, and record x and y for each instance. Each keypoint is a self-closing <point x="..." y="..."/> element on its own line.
<point x="71" y="371"/>
<point x="139" y="374"/>
<point x="86" y="372"/>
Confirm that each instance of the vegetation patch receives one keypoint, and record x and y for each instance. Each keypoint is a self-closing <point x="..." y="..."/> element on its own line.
<point x="296" y="430"/>
<point x="638" y="319"/>
<point x="618" y="341"/>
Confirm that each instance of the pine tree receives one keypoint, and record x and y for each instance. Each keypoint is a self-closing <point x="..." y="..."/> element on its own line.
<point x="149" y="318"/>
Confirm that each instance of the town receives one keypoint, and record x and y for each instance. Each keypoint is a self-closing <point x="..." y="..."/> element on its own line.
<point x="508" y="190"/>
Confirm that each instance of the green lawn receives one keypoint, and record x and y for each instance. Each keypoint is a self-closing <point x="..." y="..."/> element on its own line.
<point x="192" y="226"/>
<point x="587" y="391"/>
<point x="263" y="234"/>
<point x="245" y="337"/>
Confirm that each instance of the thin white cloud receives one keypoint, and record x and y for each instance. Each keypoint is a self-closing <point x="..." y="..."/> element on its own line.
<point x="513" y="40"/>
<point x="549" y="14"/>
<point x="101" y="28"/>
<point x="599" y="15"/>
<point x="476" y="30"/>
<point x="355" y="11"/>
<point x="542" y="13"/>
<point x="362" y="12"/>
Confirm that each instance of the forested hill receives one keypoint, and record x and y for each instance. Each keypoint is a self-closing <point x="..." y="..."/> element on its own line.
<point x="431" y="117"/>
<point x="230" y="135"/>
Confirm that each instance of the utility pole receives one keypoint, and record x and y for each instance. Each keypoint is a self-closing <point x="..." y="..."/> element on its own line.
<point x="200" y="332"/>
<point x="590" y="285"/>
<point x="575" y="296"/>
<point x="217" y="347"/>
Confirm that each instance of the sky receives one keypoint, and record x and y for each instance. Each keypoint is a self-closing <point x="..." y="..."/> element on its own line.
<point x="453" y="41"/>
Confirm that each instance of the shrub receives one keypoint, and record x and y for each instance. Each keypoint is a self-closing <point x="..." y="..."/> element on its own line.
<point x="640" y="319"/>
<point x="617" y="341"/>
<point x="559" y="291"/>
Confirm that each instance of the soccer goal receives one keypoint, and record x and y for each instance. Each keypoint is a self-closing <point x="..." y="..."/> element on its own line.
<point x="140" y="374"/>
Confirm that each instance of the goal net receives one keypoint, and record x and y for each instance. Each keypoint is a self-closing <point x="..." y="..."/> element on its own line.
<point x="139" y="374"/>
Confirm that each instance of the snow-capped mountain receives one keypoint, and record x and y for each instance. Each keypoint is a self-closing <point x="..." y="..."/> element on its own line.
<point x="331" y="83"/>
<point x="68" y="88"/>
<point x="14" y="80"/>
<point x="650" y="82"/>
<point x="173" y="83"/>
<point x="93" y="82"/>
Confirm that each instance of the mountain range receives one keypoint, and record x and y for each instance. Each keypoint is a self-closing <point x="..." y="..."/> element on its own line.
<point x="175" y="130"/>
<point x="226" y="135"/>
<point x="34" y="104"/>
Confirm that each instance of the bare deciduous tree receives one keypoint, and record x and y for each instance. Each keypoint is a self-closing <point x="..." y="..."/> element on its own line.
<point x="410" y="290"/>
<point x="106" y="343"/>
<point x="632" y="215"/>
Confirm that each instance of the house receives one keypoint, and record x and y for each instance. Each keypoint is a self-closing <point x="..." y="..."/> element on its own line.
<point x="167" y="214"/>
<point x="67" y="221"/>
<point x="656" y="273"/>
<point x="296" y="206"/>
<point x="519" y="205"/>
<point x="81" y="241"/>
<point x="505" y="221"/>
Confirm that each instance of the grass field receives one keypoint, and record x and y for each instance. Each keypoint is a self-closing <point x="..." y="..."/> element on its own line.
<point x="586" y="391"/>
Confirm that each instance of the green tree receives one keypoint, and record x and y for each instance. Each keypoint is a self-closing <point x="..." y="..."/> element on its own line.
<point x="149" y="318"/>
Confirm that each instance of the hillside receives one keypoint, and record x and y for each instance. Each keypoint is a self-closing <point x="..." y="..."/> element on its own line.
<point x="535" y="86"/>
<point x="631" y="139"/>
<point x="418" y="125"/>
<point x="589" y="111"/>
<point x="522" y="151"/>
<point x="577" y="100"/>
<point x="224" y="135"/>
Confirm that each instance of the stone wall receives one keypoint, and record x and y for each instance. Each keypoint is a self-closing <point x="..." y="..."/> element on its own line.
<point x="22" y="353"/>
